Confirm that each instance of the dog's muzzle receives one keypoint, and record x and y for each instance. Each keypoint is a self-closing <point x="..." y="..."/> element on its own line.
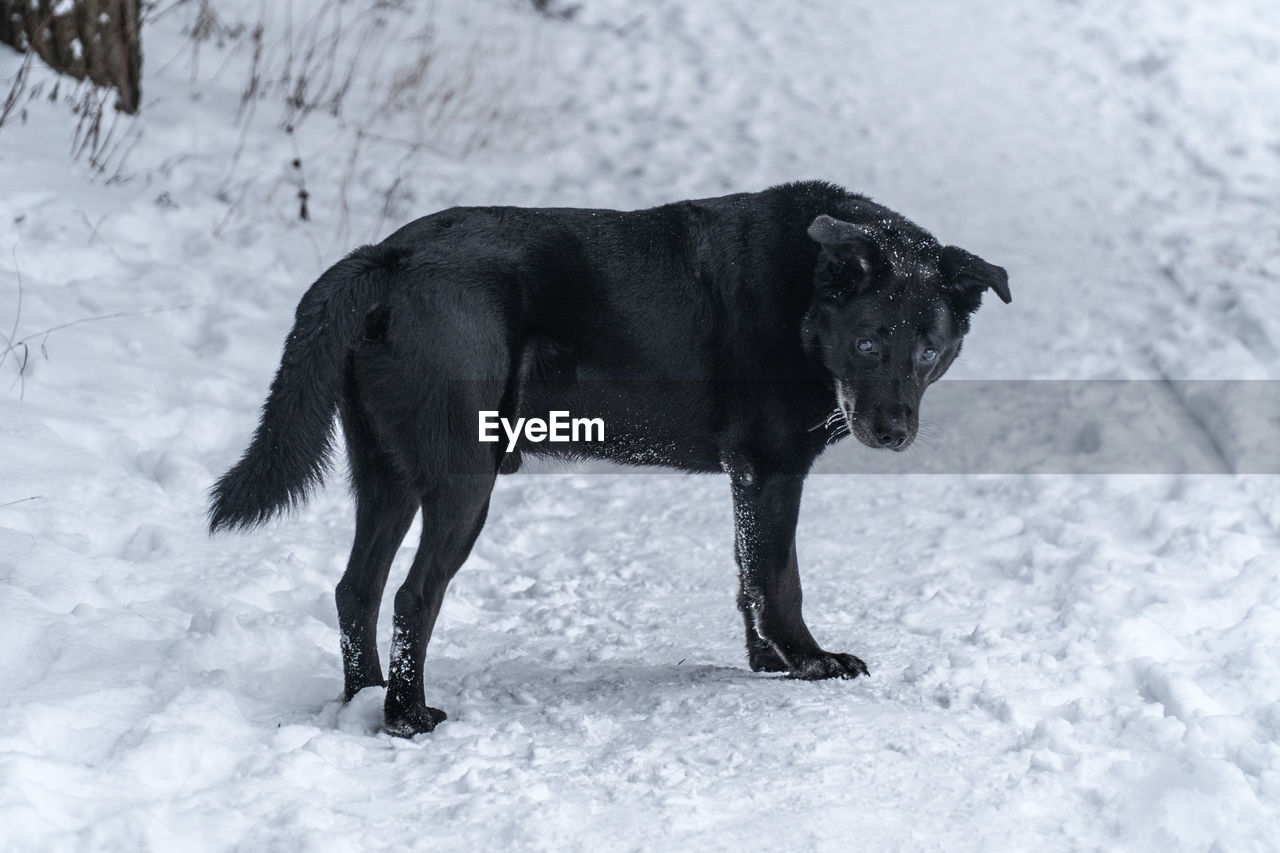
<point x="885" y="427"/>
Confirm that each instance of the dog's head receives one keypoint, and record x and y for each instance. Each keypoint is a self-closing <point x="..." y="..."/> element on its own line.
<point x="890" y="309"/>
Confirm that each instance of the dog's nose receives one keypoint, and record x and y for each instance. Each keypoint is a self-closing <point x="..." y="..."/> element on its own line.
<point x="894" y="437"/>
<point x="892" y="431"/>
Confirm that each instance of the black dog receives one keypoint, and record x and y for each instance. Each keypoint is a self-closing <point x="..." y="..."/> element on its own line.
<point x="741" y="334"/>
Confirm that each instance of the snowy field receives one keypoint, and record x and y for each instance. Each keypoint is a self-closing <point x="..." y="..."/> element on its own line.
<point x="1058" y="662"/>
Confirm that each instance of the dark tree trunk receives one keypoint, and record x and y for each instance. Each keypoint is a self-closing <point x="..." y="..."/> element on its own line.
<point x="97" y="39"/>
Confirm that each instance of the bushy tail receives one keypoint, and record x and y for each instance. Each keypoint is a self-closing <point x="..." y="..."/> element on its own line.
<point x="290" y="449"/>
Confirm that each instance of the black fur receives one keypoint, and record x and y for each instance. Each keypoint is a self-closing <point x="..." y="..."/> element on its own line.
<point x="741" y="333"/>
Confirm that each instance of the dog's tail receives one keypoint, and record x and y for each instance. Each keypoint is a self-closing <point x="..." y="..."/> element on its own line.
<point x="290" y="449"/>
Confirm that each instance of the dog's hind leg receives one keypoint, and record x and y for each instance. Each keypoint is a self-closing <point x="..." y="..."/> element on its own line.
<point x="385" y="505"/>
<point x="381" y="523"/>
<point x="425" y="418"/>
<point x="452" y="517"/>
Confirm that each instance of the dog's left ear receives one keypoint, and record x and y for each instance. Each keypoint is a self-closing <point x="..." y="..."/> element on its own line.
<point x="967" y="272"/>
<point x="845" y="241"/>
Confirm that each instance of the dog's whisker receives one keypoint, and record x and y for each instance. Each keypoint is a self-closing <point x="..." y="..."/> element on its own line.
<point x="836" y="416"/>
<point x="840" y="431"/>
<point x="826" y="422"/>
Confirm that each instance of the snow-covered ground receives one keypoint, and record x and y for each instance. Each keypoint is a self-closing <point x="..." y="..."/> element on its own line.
<point x="1058" y="662"/>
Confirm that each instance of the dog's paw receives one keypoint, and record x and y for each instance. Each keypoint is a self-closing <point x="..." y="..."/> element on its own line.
<point x="414" y="720"/>
<point x="828" y="665"/>
<point x="763" y="658"/>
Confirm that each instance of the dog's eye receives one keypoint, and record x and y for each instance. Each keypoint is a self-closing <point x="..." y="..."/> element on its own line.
<point x="929" y="355"/>
<point x="866" y="345"/>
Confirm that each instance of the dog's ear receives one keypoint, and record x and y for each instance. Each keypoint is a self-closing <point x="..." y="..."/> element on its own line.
<point x="845" y="241"/>
<point x="969" y="274"/>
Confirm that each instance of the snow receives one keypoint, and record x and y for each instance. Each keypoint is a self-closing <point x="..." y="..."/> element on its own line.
<point x="1056" y="661"/>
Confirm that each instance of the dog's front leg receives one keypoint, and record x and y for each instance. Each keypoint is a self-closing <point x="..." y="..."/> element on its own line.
<point x="766" y="507"/>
